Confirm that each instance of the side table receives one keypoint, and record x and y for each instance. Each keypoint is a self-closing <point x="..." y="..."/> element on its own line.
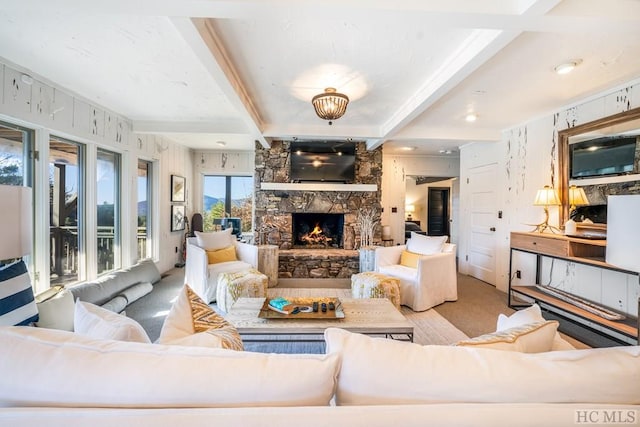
<point x="268" y="262"/>
<point x="367" y="258"/>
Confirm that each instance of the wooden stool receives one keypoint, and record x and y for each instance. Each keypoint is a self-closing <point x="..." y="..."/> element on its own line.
<point x="248" y="284"/>
<point x="376" y="285"/>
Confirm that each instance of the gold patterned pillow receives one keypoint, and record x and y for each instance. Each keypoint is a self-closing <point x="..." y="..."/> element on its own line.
<point x="222" y="255"/>
<point x="409" y="259"/>
<point x="530" y="338"/>
<point x="192" y="322"/>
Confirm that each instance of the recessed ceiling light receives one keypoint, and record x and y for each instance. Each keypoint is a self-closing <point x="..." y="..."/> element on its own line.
<point x="471" y="117"/>
<point x="445" y="151"/>
<point x="221" y="143"/>
<point x="407" y="148"/>
<point x="567" y="67"/>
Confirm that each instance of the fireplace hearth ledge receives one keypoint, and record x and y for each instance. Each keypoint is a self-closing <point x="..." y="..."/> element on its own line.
<point x="318" y="253"/>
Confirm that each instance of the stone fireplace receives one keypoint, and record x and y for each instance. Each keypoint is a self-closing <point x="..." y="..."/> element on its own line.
<point x="278" y="203"/>
<point x="317" y="230"/>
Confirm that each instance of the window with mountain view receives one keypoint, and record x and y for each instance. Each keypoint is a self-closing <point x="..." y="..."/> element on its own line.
<point x="143" y="230"/>
<point x="228" y="202"/>
<point x="108" y="210"/>
<point x="66" y="201"/>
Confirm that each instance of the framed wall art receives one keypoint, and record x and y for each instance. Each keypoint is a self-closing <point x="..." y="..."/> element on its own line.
<point x="178" y="184"/>
<point x="177" y="217"/>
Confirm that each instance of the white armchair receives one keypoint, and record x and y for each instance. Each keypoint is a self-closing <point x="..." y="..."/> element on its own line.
<point x="432" y="281"/>
<point x="202" y="277"/>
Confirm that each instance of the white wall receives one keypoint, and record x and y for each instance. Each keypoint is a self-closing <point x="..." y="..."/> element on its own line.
<point x="529" y="160"/>
<point x="395" y="169"/>
<point x="51" y="110"/>
<point x="231" y="163"/>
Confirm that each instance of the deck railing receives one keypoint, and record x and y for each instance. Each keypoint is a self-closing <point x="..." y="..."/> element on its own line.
<point x="65" y="250"/>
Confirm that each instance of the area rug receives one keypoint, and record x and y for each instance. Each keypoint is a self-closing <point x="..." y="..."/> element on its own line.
<point x="430" y="328"/>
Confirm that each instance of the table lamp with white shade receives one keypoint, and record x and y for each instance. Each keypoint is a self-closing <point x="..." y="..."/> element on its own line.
<point x="577" y="197"/>
<point x="17" y="303"/>
<point x="409" y="209"/>
<point x="546" y="197"/>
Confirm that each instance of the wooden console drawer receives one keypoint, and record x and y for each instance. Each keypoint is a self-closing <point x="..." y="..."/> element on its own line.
<point x="540" y="244"/>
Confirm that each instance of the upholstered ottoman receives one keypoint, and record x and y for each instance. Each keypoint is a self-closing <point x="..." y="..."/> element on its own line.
<point x="376" y="285"/>
<point x="248" y="284"/>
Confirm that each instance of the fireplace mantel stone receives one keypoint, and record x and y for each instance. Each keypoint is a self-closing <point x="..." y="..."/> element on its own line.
<point x="320" y="186"/>
<point x="276" y="198"/>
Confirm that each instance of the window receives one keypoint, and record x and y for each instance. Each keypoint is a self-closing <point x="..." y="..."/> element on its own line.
<point x="143" y="233"/>
<point x="108" y="210"/>
<point x="66" y="204"/>
<point x="15" y="144"/>
<point x="228" y="201"/>
<point x="15" y="163"/>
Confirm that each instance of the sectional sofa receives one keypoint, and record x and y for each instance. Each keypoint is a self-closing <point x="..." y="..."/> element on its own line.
<point x="60" y="378"/>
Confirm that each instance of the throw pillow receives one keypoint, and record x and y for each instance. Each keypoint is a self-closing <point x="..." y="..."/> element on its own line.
<point x="530" y="315"/>
<point x="55" y="309"/>
<point x="97" y="322"/>
<point x="531" y="338"/>
<point x="425" y="245"/>
<point x="222" y="255"/>
<point x="17" y="303"/>
<point x="409" y="259"/>
<point x="192" y="322"/>
<point x="49" y="368"/>
<point x="378" y="371"/>
<point x="214" y="240"/>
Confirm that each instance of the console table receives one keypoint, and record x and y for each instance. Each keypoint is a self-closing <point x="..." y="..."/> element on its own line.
<point x="572" y="249"/>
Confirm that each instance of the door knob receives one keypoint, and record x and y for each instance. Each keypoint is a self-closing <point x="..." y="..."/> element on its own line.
<point x="492" y="229"/>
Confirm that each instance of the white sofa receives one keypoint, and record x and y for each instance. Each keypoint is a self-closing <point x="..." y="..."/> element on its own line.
<point x="432" y="282"/>
<point x="202" y="276"/>
<point x="57" y="378"/>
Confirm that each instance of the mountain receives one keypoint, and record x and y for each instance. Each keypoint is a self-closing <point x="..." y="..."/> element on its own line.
<point x="211" y="201"/>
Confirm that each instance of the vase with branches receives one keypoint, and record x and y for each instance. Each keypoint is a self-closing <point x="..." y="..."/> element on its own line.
<point x="367" y="221"/>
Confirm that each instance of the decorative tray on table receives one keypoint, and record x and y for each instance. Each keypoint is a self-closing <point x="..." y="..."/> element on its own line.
<point x="302" y="308"/>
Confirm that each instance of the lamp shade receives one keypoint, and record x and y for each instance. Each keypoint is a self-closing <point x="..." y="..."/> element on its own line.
<point x="386" y="232"/>
<point x="577" y="196"/>
<point x="547" y="197"/>
<point x="15" y="221"/>
<point x="410" y="208"/>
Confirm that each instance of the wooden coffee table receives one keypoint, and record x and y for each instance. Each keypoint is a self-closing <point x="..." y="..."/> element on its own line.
<point x="375" y="316"/>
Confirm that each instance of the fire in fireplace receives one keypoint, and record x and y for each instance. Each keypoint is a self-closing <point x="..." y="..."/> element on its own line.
<point x="317" y="230"/>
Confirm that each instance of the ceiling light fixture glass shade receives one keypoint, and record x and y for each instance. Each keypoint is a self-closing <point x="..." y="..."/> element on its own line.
<point x="330" y="105"/>
<point x="567" y="67"/>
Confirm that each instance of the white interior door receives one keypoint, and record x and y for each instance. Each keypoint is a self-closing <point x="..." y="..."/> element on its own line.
<point x="483" y="215"/>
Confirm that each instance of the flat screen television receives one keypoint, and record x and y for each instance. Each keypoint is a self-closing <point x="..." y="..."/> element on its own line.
<point x="602" y="157"/>
<point x="323" y="161"/>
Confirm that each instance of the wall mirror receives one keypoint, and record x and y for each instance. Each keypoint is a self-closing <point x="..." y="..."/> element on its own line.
<point x="619" y="125"/>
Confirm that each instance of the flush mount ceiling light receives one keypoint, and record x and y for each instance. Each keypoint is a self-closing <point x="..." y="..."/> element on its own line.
<point x="330" y="105"/>
<point x="471" y="117"/>
<point x="567" y="67"/>
<point x="221" y="143"/>
<point x="408" y="148"/>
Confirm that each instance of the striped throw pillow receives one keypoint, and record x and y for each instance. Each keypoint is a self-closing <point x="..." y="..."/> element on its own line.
<point x="17" y="303"/>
